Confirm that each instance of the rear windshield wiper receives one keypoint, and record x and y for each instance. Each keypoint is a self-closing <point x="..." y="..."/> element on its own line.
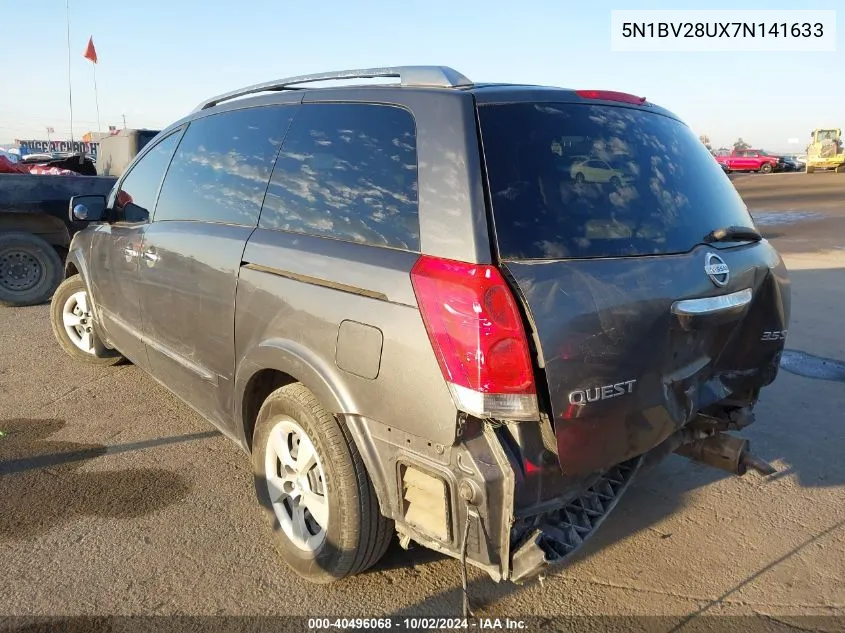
<point x="731" y="233"/>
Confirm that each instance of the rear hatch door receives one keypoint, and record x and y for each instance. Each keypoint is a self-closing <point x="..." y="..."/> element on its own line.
<point x="603" y="214"/>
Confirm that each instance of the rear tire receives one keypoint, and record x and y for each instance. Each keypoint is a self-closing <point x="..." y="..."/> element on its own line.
<point x="840" y="169"/>
<point x="30" y="269"/>
<point x="72" y="321"/>
<point x="346" y="533"/>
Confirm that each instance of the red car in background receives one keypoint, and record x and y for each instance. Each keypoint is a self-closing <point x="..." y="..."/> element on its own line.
<point x="751" y="160"/>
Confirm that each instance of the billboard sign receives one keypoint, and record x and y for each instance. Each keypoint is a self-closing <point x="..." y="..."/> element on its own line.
<point x="47" y="147"/>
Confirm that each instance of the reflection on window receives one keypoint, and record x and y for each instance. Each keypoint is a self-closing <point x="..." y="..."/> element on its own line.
<point x="347" y="171"/>
<point x="221" y="169"/>
<point x="572" y="180"/>
<point x="136" y="198"/>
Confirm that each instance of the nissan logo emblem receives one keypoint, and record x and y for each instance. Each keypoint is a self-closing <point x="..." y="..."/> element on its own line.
<point x="716" y="269"/>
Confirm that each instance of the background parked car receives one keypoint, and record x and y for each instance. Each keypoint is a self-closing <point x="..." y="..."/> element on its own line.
<point x="790" y="163"/>
<point x="752" y="160"/>
<point x="35" y="228"/>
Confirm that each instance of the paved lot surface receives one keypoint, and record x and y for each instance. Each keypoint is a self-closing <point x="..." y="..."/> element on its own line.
<point x="155" y="515"/>
<point x="799" y="212"/>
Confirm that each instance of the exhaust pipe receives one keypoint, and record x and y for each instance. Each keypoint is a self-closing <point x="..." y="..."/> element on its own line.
<point x="761" y="466"/>
<point x="725" y="452"/>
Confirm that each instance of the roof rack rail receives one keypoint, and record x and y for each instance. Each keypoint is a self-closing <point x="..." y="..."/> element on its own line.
<point x="436" y="76"/>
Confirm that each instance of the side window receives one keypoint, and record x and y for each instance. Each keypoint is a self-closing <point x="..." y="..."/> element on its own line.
<point x="135" y="199"/>
<point x="349" y="172"/>
<point x="221" y="169"/>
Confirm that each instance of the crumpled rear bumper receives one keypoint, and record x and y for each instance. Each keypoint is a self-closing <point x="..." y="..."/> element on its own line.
<point x="549" y="539"/>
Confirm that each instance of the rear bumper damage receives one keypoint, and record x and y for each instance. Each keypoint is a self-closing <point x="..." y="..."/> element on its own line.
<point x="549" y="539"/>
<point x="499" y="499"/>
<point x="553" y="537"/>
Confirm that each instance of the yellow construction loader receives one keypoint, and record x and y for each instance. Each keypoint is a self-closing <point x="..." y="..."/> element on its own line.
<point x="826" y="151"/>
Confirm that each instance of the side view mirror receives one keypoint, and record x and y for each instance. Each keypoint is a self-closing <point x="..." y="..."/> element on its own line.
<point x="87" y="208"/>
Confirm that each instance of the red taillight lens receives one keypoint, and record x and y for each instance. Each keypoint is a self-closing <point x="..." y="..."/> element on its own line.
<point x="476" y="331"/>
<point x="611" y="95"/>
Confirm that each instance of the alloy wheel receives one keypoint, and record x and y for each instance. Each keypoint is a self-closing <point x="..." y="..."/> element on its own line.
<point x="296" y="483"/>
<point x="77" y="320"/>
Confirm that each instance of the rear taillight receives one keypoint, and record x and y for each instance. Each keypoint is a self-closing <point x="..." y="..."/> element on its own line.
<point x="611" y="95"/>
<point x="477" y="334"/>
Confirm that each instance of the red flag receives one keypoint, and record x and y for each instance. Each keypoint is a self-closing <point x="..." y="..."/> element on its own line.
<point x="91" y="52"/>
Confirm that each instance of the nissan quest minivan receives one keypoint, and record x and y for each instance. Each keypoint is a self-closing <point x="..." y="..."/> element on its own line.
<point x="465" y="314"/>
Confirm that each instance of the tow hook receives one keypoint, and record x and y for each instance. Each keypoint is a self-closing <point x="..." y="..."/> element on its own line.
<point x="725" y="452"/>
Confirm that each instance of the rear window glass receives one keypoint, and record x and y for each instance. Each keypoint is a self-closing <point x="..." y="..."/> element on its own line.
<point x="578" y="181"/>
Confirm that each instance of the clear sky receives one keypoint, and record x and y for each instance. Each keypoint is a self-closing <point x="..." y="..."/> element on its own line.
<point x="158" y="58"/>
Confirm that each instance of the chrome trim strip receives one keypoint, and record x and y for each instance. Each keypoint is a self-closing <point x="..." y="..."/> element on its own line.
<point x="712" y="305"/>
<point x="316" y="281"/>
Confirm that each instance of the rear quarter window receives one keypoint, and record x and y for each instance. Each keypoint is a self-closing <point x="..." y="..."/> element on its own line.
<point x="348" y="172"/>
<point x="579" y="181"/>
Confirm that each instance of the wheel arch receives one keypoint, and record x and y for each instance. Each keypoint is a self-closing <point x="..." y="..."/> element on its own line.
<point x="282" y="361"/>
<point x="279" y="362"/>
<point x="75" y="264"/>
<point x="70" y="269"/>
<point x="259" y="385"/>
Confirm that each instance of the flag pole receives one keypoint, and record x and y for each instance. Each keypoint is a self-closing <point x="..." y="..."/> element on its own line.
<point x="69" y="83"/>
<point x="97" y="99"/>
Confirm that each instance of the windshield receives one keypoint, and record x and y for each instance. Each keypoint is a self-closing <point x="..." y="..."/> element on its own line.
<point x="576" y="181"/>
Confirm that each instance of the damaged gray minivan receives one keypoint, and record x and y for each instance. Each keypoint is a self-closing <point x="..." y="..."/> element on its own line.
<point x="463" y="313"/>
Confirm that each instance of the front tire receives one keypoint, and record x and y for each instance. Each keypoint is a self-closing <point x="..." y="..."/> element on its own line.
<point x="30" y="269"/>
<point x="766" y="168"/>
<point x="314" y="490"/>
<point x="72" y="320"/>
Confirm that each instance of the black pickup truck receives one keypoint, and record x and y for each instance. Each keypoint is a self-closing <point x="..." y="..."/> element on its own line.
<point x="35" y="227"/>
<point x="35" y="231"/>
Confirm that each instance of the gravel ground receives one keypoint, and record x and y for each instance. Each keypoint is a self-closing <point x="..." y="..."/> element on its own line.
<point x="117" y="499"/>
